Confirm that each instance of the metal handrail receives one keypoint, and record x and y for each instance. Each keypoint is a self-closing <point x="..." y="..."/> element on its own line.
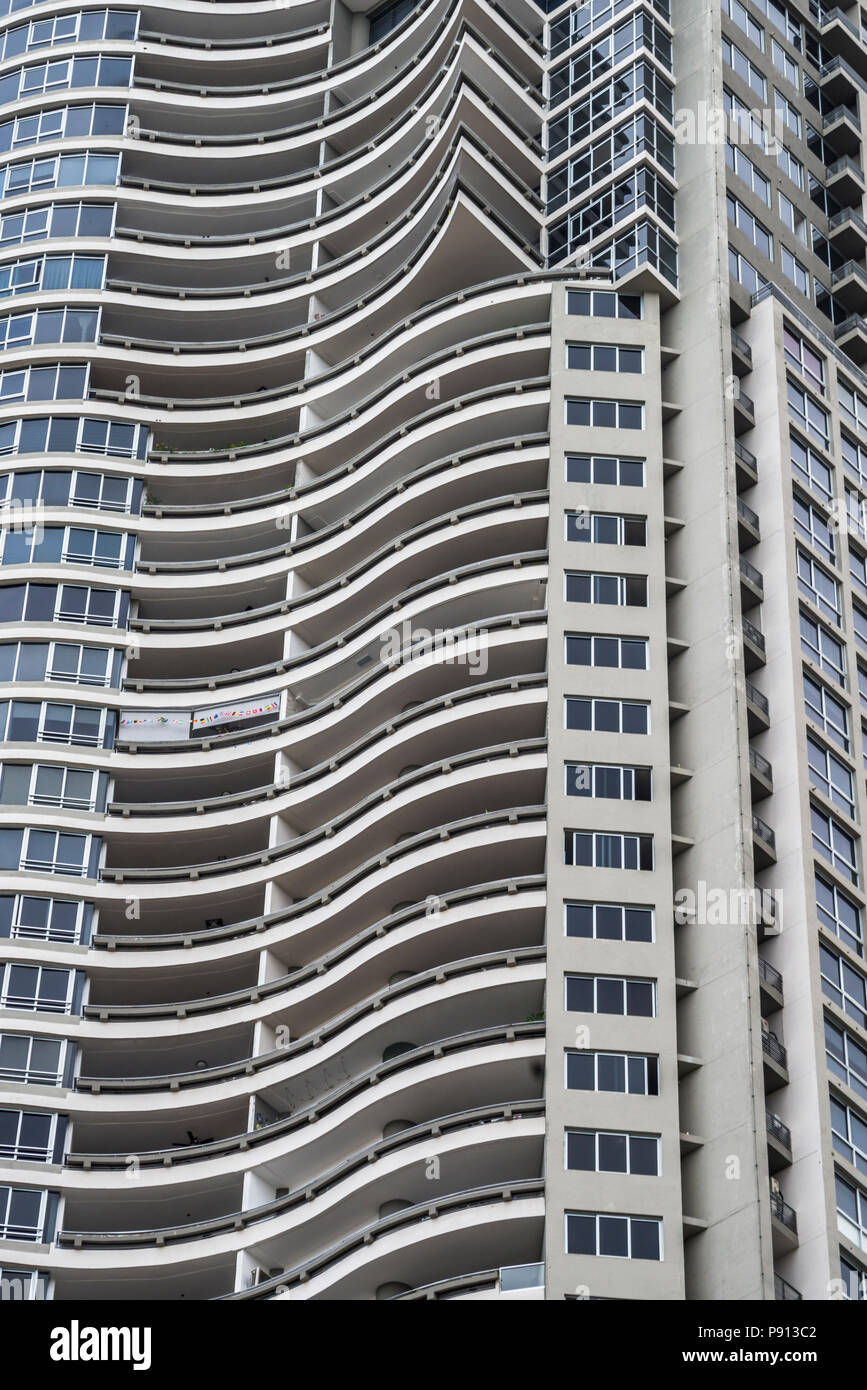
<point x="300" y="491"/>
<point x="752" y="633"/>
<point x="774" y="1048"/>
<point x="755" y="696"/>
<point x="764" y="832"/>
<point x="286" y="607"/>
<point x="777" y="1130"/>
<point x="346" y="754"/>
<point x="311" y="1042"/>
<point x="761" y="764"/>
<point x="422" y="1211"/>
<point x="746" y="456"/>
<point x="318" y="968"/>
<point x="279" y="1206"/>
<point x="770" y="975"/>
<point x="259" y="674"/>
<point x="783" y="1212"/>
<point x="747" y="570"/>
<point x="287" y="849"/>
<point x="324" y="1105"/>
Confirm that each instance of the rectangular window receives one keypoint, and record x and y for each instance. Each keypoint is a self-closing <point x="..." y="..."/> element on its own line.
<point x="618" y="415"/>
<point x="609" y="922"/>
<point x="851" y="1212"/>
<point x="846" y="1059"/>
<point x="743" y="166"/>
<point x="793" y="218"/>
<point x="608" y="716"/>
<point x="605" y="528"/>
<point x="844" y="985"/>
<point x="854" y="1280"/>
<point x="603" y="994"/>
<point x="605" y="470"/>
<point x="810" y="469"/>
<point x="790" y="166"/>
<point x="808" y="414"/>
<point x="819" y="587"/>
<point x="858" y="569"/>
<point x="751" y="128"/>
<point x="750" y="226"/>
<point x="613" y="783"/>
<point x="634" y="1074"/>
<point x="795" y="271"/>
<point x="784" y="64"/>
<point x="741" y="16"/>
<point x="36" y="987"/>
<point x="839" y="914"/>
<point x="829" y="713"/>
<point x="848" y="1135"/>
<point x="23" y="1214"/>
<point x="601" y="850"/>
<point x="833" y="843"/>
<point x="49" y="852"/>
<point x="624" y="653"/>
<point x="619" y="590"/>
<point x="745" y="68"/>
<point x="802" y="357"/>
<point x="603" y="304"/>
<point x="604" y="357"/>
<point x="32" y="1061"/>
<point x="604" y="1151"/>
<point x="69" y="487"/>
<point x="788" y="111"/>
<point x="821" y="647"/>
<point x="49" y="784"/>
<point x="831" y="776"/>
<point x="24" y="917"/>
<point x="24" y="1285"/>
<point x="744" y="272"/>
<point x="618" y="1237"/>
<point x="814" y="528"/>
<point x="852" y="405"/>
<point x="28" y="1135"/>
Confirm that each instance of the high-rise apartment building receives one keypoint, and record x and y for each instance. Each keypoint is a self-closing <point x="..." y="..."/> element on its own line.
<point x="434" y="647"/>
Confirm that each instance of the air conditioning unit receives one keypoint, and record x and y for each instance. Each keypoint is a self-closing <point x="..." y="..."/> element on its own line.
<point x="256" y="1276"/>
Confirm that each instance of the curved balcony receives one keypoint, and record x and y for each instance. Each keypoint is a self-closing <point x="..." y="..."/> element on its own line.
<point x="390" y="1245"/>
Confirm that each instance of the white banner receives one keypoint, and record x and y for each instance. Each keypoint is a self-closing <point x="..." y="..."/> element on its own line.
<point x="145" y="726"/>
<point x="236" y="714"/>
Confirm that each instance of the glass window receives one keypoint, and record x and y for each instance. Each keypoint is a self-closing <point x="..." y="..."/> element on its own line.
<point x="609" y="921"/>
<point x="622" y="1237"/>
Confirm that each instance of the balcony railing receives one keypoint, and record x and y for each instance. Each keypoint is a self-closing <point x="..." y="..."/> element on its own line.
<point x="750" y="573"/>
<point x="746" y="457"/>
<point x="774" y="1048"/>
<point x="752" y="633"/>
<point x="777" y="1130"/>
<point x="784" y="1292"/>
<point x="784" y="1213"/>
<point x="770" y="976"/>
<point x="748" y="515"/>
<point x="840" y="113"/>
<point x="742" y="346"/>
<point x="764" y="833"/>
<point x="844" y="165"/>
<point x="755" y="697"/>
<point x="840" y="219"/>
<point x="761" y="765"/>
